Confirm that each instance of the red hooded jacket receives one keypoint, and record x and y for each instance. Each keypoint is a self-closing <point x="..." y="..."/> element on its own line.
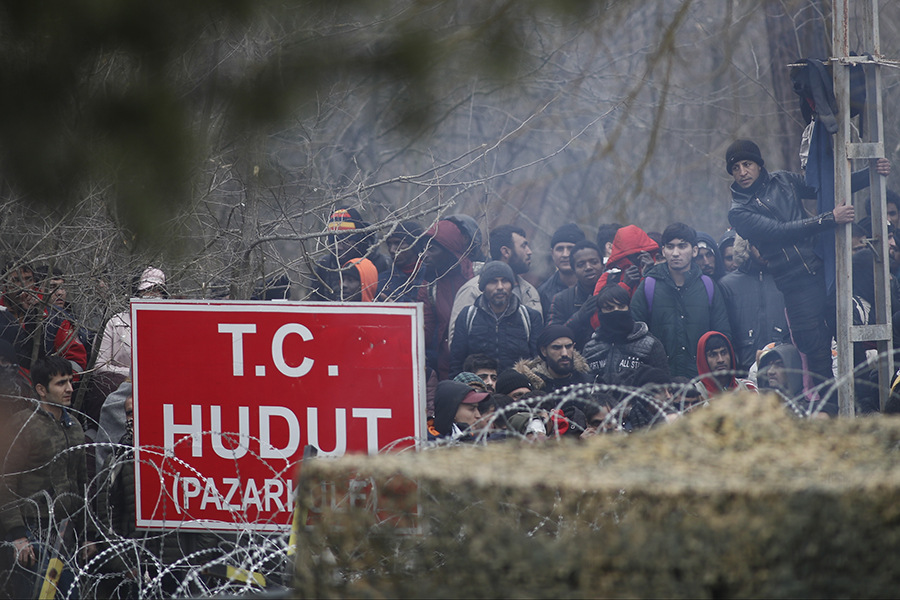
<point x="710" y="382"/>
<point x="629" y="240"/>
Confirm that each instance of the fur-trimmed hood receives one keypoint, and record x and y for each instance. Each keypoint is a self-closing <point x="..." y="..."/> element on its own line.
<point x="533" y="368"/>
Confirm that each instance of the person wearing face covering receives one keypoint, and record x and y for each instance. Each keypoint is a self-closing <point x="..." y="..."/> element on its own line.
<point x="621" y="345"/>
<point x="455" y="411"/>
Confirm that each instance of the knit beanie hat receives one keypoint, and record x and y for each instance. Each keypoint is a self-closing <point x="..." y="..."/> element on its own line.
<point x="570" y="233"/>
<point x="344" y="219"/>
<point x="742" y="150"/>
<point x="493" y="270"/>
<point x="553" y="332"/>
<point x="511" y="380"/>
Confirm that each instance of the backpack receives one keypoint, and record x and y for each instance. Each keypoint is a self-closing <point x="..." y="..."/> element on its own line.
<point x="650" y="288"/>
<point x="471" y="311"/>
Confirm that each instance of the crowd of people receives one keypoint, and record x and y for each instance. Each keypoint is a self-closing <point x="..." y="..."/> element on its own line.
<point x="633" y="328"/>
<point x="680" y="310"/>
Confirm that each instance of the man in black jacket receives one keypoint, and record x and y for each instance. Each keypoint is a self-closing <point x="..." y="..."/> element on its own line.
<point x="566" y="308"/>
<point x="767" y="210"/>
<point x="621" y="345"/>
<point x="678" y="303"/>
<point x="755" y="306"/>
<point x="498" y="324"/>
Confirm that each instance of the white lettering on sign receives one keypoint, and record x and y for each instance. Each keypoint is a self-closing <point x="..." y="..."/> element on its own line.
<point x="266" y="450"/>
<point x="267" y="414"/>
<point x="371" y="415"/>
<point x="243" y="444"/>
<point x="237" y="331"/>
<point x="272" y="494"/>
<point x="340" y="425"/>
<point x="170" y="429"/>
<point x="278" y="350"/>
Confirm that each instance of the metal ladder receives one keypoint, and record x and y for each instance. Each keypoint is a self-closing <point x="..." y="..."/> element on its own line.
<point x="870" y="148"/>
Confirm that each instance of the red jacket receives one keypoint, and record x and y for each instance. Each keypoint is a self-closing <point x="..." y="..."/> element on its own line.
<point x="629" y="240"/>
<point x="61" y="335"/>
<point x="438" y="295"/>
<point x="709" y="382"/>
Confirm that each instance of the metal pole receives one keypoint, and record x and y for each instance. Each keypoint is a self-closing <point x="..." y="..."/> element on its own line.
<point x="843" y="258"/>
<point x="874" y="135"/>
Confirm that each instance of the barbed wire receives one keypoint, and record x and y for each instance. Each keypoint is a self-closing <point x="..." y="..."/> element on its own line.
<point x="190" y="557"/>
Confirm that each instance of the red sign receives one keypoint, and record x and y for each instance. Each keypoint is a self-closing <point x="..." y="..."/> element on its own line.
<point x="228" y="394"/>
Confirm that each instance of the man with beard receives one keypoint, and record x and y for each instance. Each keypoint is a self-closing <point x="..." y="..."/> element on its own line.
<point x="767" y="209"/>
<point x="621" y="345"/>
<point x="509" y="245"/>
<point x="568" y="307"/>
<point x="708" y="256"/>
<point x="715" y="365"/>
<point x="558" y="364"/>
<point x="498" y="324"/>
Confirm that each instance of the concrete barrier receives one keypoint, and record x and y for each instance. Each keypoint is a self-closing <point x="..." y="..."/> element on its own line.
<point x="739" y="499"/>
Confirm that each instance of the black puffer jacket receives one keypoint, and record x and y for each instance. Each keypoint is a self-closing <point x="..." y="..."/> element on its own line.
<point x="755" y="310"/>
<point x="680" y="317"/>
<point x="613" y="362"/>
<point x="508" y="338"/>
<point x="770" y="214"/>
<point x="564" y="310"/>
